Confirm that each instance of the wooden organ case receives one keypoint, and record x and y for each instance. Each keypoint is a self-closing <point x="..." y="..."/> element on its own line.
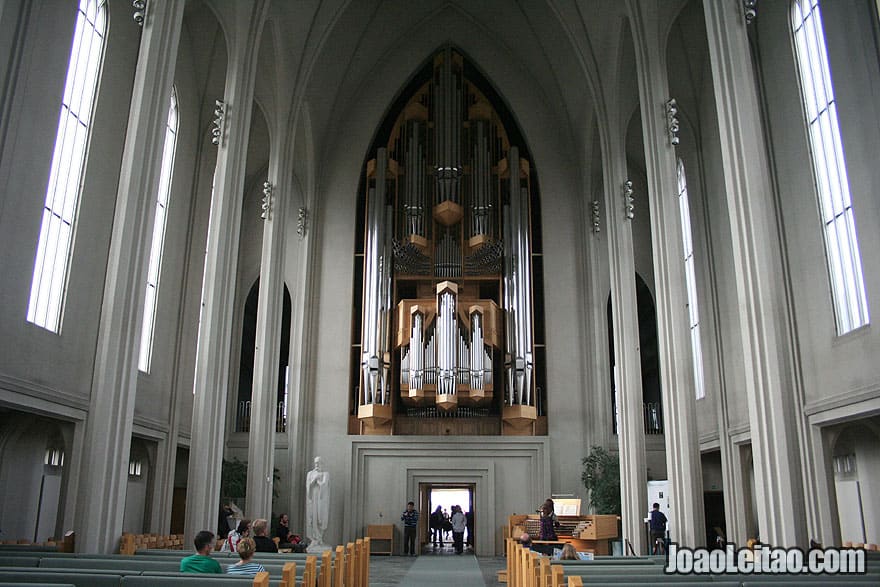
<point x="447" y="321"/>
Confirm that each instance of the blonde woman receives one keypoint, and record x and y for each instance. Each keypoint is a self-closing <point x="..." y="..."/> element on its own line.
<point x="245" y="567"/>
<point x="569" y="553"/>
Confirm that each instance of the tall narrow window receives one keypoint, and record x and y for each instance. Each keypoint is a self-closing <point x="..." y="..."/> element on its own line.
<point x="68" y="162"/>
<point x="829" y="166"/>
<point x="157" y="246"/>
<point x="691" y="279"/>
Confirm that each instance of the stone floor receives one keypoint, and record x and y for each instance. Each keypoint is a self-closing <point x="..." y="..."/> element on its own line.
<point x="387" y="571"/>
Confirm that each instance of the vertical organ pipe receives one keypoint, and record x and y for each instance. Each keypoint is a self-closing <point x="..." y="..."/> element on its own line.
<point x="446" y="343"/>
<point x="417" y="352"/>
<point x="377" y="289"/>
<point x="518" y="287"/>
<point x="476" y="351"/>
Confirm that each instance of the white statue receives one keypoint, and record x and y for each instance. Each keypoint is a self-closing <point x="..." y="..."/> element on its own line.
<point x="317" y="505"/>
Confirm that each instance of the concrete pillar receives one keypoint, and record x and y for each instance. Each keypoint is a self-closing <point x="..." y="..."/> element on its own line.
<point x="683" y="466"/>
<point x="627" y="368"/>
<point x="755" y="243"/>
<point x="301" y="384"/>
<point x="104" y="467"/>
<point x="221" y="264"/>
<point x="270" y="312"/>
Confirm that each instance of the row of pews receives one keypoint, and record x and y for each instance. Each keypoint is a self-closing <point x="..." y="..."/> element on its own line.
<point x="527" y="568"/>
<point x="345" y="566"/>
<point x="131" y="543"/>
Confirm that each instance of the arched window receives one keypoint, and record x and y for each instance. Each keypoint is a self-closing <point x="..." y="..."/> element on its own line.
<point x="691" y="279"/>
<point x="829" y="166"/>
<point x="68" y="163"/>
<point x="158" y="242"/>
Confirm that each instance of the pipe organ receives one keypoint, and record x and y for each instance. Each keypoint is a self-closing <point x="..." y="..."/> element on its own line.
<point x="447" y="305"/>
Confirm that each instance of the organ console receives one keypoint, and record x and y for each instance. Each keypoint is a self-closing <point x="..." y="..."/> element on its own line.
<point x="447" y="304"/>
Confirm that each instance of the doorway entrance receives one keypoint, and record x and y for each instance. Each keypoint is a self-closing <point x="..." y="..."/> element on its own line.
<point x="445" y="496"/>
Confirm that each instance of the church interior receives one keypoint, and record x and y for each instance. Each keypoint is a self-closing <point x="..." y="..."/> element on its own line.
<point x="440" y="244"/>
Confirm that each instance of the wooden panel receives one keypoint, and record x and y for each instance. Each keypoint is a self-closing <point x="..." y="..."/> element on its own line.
<point x="409" y="426"/>
<point x="381" y="538"/>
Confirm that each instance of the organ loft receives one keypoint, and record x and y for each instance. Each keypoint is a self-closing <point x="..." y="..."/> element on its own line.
<point x="448" y="322"/>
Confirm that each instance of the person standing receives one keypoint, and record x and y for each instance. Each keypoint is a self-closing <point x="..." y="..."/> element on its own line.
<point x="548" y="522"/>
<point x="437" y="526"/>
<point x="657" y="523"/>
<point x="201" y="561"/>
<point x="459" y="523"/>
<point x="410" y="518"/>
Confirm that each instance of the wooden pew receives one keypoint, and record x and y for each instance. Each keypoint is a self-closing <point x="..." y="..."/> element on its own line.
<point x="310" y="575"/>
<point x="325" y="573"/>
<point x="367" y="547"/>
<point x="339" y="567"/>
<point x="350" y="565"/>
<point x="288" y="575"/>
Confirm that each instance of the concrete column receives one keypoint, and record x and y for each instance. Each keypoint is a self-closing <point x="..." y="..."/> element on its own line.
<point x="270" y="311"/>
<point x="683" y="466"/>
<point x="598" y="359"/>
<point x="627" y="368"/>
<point x="221" y="264"/>
<point x="104" y="467"/>
<point x="301" y="380"/>
<point x="778" y="487"/>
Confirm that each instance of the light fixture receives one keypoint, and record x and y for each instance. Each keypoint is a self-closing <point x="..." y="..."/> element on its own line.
<point x="217" y="125"/>
<point x="629" y="205"/>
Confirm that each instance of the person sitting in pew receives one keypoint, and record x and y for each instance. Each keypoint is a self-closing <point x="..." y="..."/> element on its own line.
<point x="263" y="542"/>
<point x="246" y="566"/>
<point x="568" y="553"/>
<point x="525" y="540"/>
<point x="201" y="561"/>
<point x="231" y="542"/>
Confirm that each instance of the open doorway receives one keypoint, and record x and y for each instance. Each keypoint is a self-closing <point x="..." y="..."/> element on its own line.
<point x="438" y="540"/>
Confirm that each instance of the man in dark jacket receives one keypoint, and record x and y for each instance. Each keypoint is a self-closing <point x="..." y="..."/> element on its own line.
<point x="263" y="542"/>
<point x="657" y="524"/>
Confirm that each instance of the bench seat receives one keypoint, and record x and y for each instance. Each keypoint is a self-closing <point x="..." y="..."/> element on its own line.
<point x="83" y="579"/>
<point x="19" y="561"/>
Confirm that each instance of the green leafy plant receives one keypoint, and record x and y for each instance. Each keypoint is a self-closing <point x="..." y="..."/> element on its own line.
<point x="233" y="480"/>
<point x="601" y="477"/>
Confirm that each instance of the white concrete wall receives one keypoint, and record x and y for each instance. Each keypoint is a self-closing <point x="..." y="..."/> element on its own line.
<point x="52" y="373"/>
<point x="834" y="367"/>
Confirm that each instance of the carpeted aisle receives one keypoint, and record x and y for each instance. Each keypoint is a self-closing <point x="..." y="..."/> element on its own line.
<point x="459" y="571"/>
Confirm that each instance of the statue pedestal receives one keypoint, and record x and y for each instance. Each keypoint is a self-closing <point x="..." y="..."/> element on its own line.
<point x="317" y="548"/>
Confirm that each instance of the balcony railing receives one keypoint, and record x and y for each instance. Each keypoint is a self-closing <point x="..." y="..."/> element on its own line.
<point x="243" y="417"/>
<point x="653" y="416"/>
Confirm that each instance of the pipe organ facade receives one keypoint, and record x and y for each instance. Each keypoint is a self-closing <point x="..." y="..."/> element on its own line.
<point x="447" y="316"/>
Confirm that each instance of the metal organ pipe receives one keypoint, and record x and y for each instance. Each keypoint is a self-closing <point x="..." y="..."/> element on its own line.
<point x="477" y="351"/>
<point x="447" y="127"/>
<point x="480" y="180"/>
<point x="417" y="350"/>
<point x="509" y="296"/>
<point x="518" y="286"/>
<point x="463" y="357"/>
<point x="414" y="181"/>
<point x="430" y="360"/>
<point x="446" y="342"/>
<point x="377" y="290"/>
<point x="404" y="366"/>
